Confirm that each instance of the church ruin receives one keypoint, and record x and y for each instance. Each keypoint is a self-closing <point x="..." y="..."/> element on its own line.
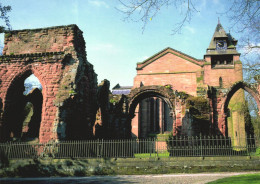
<point x="173" y="93"/>
<point x="57" y="57"/>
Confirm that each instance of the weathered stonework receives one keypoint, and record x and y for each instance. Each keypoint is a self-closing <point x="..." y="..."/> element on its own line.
<point x="168" y="84"/>
<point x="56" y="56"/>
<point x="215" y="78"/>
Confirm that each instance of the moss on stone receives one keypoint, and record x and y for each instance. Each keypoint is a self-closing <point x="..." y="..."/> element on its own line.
<point x="200" y="78"/>
<point x="207" y="63"/>
<point x="238" y="62"/>
<point x="198" y="107"/>
<point x="182" y="95"/>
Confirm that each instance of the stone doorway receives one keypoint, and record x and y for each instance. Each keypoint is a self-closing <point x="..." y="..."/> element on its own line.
<point x="151" y="111"/>
<point x="23" y="111"/>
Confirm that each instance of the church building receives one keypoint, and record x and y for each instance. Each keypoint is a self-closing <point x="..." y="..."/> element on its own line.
<point x="220" y="68"/>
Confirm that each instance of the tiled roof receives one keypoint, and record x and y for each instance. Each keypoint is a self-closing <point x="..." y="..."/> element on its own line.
<point x="121" y="90"/>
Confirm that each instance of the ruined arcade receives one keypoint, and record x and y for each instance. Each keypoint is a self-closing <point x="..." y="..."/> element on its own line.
<point x="173" y="93"/>
<point x="202" y="92"/>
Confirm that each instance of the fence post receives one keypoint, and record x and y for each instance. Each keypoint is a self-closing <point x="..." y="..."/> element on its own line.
<point x="201" y="151"/>
<point x="8" y="150"/>
<point x="97" y="143"/>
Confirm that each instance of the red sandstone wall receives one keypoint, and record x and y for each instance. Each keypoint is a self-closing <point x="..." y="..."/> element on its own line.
<point x="48" y="74"/>
<point x="55" y="39"/>
<point x="61" y="76"/>
<point x="169" y="69"/>
<point x="182" y="82"/>
<point x="229" y="76"/>
<point x="169" y="63"/>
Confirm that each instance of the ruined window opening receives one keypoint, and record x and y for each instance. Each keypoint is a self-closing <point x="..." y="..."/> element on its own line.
<point x="33" y="108"/>
<point x="23" y="111"/>
<point x="241" y="121"/>
<point x="30" y="83"/>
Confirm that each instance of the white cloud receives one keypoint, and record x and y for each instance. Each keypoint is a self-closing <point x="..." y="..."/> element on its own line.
<point x="190" y="29"/>
<point x="98" y="3"/>
<point x="144" y="58"/>
<point x="251" y="49"/>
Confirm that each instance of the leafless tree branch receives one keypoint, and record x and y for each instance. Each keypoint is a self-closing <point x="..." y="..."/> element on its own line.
<point x="146" y="10"/>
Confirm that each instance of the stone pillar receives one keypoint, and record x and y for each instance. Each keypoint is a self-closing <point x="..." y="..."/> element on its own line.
<point x="154" y="114"/>
<point x="148" y="120"/>
<point x="135" y="121"/>
<point x="173" y="122"/>
<point x="161" y="115"/>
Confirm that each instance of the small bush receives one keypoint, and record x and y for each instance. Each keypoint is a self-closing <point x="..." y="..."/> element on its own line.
<point x="4" y="161"/>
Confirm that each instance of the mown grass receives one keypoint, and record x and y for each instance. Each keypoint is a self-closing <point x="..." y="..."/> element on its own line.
<point x="241" y="179"/>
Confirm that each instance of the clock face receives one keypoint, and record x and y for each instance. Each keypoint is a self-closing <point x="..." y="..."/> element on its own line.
<point x="221" y="44"/>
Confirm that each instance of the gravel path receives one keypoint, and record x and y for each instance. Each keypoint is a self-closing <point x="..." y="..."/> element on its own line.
<point x="153" y="179"/>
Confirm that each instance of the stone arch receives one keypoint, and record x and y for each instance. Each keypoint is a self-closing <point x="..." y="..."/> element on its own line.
<point x="25" y="72"/>
<point x="157" y="113"/>
<point x="61" y="69"/>
<point x="16" y="101"/>
<point x="143" y="92"/>
<point x="250" y="88"/>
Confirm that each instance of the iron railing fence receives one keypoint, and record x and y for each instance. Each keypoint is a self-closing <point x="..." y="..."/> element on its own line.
<point x="201" y="146"/>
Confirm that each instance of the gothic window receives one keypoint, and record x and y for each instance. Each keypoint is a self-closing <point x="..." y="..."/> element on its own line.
<point x="220" y="82"/>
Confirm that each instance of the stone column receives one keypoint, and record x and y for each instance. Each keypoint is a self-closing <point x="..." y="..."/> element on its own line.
<point x="154" y="114"/>
<point x="135" y="123"/>
<point x="161" y="115"/>
<point x="148" y="116"/>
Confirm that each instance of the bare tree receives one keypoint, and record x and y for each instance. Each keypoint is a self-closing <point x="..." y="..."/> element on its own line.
<point x="244" y="16"/>
<point x="5" y="25"/>
<point x="4" y="16"/>
<point x="146" y="10"/>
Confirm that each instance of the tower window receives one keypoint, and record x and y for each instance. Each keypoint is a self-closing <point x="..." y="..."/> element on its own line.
<point x="221" y="60"/>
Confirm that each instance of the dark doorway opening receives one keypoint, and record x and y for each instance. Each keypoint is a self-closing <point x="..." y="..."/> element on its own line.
<point x="23" y="108"/>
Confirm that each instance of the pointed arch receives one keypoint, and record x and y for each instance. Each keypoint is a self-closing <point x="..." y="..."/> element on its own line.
<point x="15" y="102"/>
<point x="22" y="74"/>
<point x="241" y="85"/>
<point x="138" y="94"/>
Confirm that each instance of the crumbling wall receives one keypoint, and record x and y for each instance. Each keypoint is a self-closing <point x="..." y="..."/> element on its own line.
<point x="100" y="129"/>
<point x="57" y="57"/>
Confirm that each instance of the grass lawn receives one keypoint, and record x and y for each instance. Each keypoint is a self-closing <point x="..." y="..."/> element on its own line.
<point x="148" y="155"/>
<point x="241" y="179"/>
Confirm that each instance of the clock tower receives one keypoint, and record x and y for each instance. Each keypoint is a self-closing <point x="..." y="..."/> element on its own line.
<point x="222" y="69"/>
<point x="222" y="49"/>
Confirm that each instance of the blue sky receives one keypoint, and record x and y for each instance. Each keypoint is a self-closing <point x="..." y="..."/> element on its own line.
<point x="114" y="46"/>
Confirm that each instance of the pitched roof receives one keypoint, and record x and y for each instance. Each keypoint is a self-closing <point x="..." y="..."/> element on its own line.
<point x="121" y="90"/>
<point x="220" y="33"/>
<point x="165" y="51"/>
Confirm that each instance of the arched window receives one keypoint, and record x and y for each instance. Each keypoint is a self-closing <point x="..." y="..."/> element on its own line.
<point x="23" y="112"/>
<point x="220" y="82"/>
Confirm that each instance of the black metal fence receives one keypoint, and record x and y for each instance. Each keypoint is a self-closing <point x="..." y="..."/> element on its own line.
<point x="138" y="148"/>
